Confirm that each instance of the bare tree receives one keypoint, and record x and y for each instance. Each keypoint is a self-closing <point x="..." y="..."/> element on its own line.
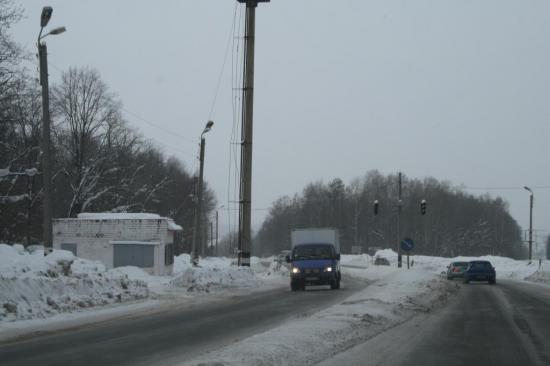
<point x="89" y="116"/>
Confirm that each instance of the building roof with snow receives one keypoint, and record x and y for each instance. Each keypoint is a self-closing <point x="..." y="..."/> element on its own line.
<point x="128" y="216"/>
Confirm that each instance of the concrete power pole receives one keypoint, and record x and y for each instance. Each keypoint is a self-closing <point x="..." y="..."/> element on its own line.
<point x="245" y="236"/>
<point x="46" y="144"/>
<point x="46" y="149"/>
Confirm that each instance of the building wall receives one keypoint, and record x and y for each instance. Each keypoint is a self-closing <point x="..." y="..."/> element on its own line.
<point x="94" y="237"/>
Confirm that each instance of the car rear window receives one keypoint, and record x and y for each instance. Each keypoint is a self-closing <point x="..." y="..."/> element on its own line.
<point x="481" y="265"/>
<point x="460" y="264"/>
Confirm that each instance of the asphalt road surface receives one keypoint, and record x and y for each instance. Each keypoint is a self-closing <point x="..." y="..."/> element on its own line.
<point x="483" y="325"/>
<point x="164" y="338"/>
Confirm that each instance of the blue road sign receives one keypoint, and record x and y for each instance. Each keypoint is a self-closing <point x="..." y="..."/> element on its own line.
<point x="407" y="244"/>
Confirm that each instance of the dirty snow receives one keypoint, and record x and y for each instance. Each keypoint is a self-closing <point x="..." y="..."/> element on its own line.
<point x="44" y="293"/>
<point x="34" y="288"/>
<point x="395" y="297"/>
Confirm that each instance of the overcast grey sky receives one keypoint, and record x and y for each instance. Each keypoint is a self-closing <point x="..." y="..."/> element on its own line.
<point x="454" y="89"/>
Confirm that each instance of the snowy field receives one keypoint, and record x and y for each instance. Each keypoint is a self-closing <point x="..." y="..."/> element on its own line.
<point x="40" y="293"/>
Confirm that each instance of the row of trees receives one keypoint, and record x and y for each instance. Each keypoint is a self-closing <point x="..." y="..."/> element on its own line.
<point x="100" y="162"/>
<point x="456" y="223"/>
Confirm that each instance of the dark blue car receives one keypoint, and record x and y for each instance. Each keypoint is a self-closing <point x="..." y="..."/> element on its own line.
<point x="314" y="264"/>
<point x="480" y="271"/>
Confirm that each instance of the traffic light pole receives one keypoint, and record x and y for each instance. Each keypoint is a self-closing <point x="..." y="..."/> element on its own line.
<point x="399" y="258"/>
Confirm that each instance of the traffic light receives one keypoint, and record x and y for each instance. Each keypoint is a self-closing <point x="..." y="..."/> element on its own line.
<point x="376" y="207"/>
<point x="423" y="207"/>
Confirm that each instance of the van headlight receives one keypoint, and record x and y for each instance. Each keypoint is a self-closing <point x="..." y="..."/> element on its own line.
<point x="295" y="270"/>
<point x="328" y="269"/>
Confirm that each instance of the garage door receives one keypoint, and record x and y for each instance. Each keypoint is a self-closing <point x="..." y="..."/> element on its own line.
<point x="139" y="255"/>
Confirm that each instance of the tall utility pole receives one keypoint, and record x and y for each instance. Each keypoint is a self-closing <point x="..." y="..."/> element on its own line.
<point x="399" y="259"/>
<point x="46" y="145"/>
<point x="216" y="252"/>
<point x="245" y="237"/>
<point x="46" y="150"/>
<point x="530" y="224"/>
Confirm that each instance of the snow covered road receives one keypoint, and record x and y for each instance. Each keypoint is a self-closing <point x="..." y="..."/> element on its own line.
<point x="174" y="335"/>
<point x="503" y="325"/>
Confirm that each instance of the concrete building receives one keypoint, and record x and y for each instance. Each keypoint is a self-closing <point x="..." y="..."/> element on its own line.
<point x="120" y="239"/>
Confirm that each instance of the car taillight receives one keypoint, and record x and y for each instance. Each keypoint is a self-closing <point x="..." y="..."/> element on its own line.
<point x="456" y="270"/>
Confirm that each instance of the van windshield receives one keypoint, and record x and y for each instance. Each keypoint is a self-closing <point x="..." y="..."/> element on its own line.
<point x="313" y="251"/>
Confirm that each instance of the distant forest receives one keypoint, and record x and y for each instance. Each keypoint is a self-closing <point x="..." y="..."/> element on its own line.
<point x="100" y="162"/>
<point x="455" y="223"/>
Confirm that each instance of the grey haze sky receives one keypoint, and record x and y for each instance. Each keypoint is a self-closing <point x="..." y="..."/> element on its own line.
<point x="457" y="90"/>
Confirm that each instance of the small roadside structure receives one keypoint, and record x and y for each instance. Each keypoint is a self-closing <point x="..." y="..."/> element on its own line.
<point x="143" y="240"/>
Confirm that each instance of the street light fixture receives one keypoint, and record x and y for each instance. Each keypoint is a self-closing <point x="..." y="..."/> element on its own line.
<point x="46" y="149"/>
<point x="530" y="223"/>
<point x="197" y="227"/>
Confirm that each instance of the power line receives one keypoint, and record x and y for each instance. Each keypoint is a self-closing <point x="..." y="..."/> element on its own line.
<point x="503" y="188"/>
<point x="137" y="116"/>
<point x="164" y="129"/>
<point x="231" y="30"/>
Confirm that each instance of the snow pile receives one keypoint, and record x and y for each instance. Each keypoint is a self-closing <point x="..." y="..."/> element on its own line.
<point x="215" y="274"/>
<point x="34" y="286"/>
<point x="506" y="268"/>
<point x="540" y="276"/>
<point x="360" y="260"/>
<point x="395" y="298"/>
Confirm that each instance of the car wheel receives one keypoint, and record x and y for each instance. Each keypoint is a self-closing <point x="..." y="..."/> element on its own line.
<point x="493" y="282"/>
<point x="466" y="281"/>
<point x="294" y="286"/>
<point x="449" y="278"/>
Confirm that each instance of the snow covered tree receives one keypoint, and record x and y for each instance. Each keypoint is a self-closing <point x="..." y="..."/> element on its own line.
<point x="88" y="118"/>
<point x="456" y="223"/>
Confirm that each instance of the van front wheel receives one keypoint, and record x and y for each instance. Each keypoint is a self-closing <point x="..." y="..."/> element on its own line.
<point x="335" y="284"/>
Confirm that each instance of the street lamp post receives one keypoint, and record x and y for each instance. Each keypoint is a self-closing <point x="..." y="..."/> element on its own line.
<point x="46" y="148"/>
<point x="530" y="223"/>
<point x="197" y="228"/>
<point x="219" y="208"/>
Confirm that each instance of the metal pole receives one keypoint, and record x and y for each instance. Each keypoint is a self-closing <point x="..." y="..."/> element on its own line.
<point x="197" y="227"/>
<point x="211" y="251"/>
<point x="194" y="258"/>
<point x="531" y="228"/>
<point x="246" y="146"/>
<point x="46" y="150"/>
<point x="216" y="233"/>
<point x="399" y="258"/>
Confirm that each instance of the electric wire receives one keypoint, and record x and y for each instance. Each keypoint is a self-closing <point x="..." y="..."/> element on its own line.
<point x="502" y="188"/>
<point x="223" y="66"/>
<point x="137" y="116"/>
<point x="233" y="179"/>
